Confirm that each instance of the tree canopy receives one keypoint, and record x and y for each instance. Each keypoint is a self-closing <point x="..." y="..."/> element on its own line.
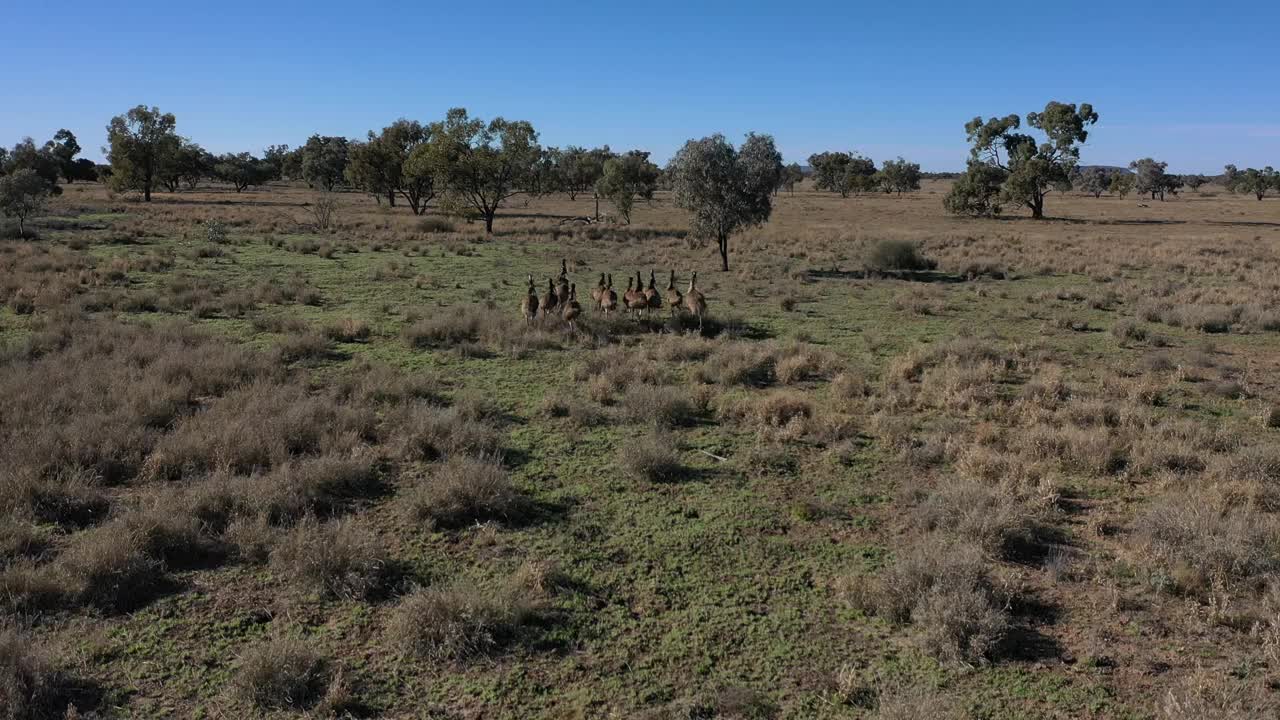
<point x="480" y="164"/>
<point x="626" y="177"/>
<point x="64" y="148"/>
<point x="324" y="161"/>
<point x="1150" y="178"/>
<point x="1032" y="169"/>
<point x="1252" y="180"/>
<point x="725" y="189"/>
<point x="899" y="176"/>
<point x="139" y="141"/>
<point x="22" y="194"/>
<point x="843" y="172"/>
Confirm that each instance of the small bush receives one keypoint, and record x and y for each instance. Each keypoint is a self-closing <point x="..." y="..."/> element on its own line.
<point x="660" y="405"/>
<point x="338" y="559"/>
<point x="435" y="225"/>
<point x="651" y="457"/>
<point x="430" y="432"/>
<point x="465" y="489"/>
<point x="283" y="674"/>
<point x="738" y="363"/>
<point x="959" y="624"/>
<point x="896" y="256"/>
<point x="348" y="330"/>
<point x="31" y="686"/>
<point x="1192" y="538"/>
<point x="109" y="569"/>
<point x="942" y="587"/>
<point x="462" y="621"/>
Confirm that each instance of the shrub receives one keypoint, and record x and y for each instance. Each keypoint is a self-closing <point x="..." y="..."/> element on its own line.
<point x="465" y="489"/>
<point x="941" y="586"/>
<point x="660" y="405"/>
<point x="348" y="330"/>
<point x="959" y="623"/>
<point x="738" y="363"/>
<point x="430" y="432"/>
<point x="999" y="517"/>
<point x="896" y="256"/>
<point x="305" y="346"/>
<point x="1192" y="538"/>
<point x="31" y="685"/>
<point x="435" y="225"/>
<point x="462" y="621"/>
<point x="338" y="559"/>
<point x="651" y="457"/>
<point x="65" y="499"/>
<point x="108" y="569"/>
<point x="283" y="674"/>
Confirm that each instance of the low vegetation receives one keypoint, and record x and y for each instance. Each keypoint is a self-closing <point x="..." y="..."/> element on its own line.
<point x="970" y="467"/>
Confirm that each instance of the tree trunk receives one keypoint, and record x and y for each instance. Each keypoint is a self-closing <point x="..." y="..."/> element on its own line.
<point x="1037" y="207"/>
<point x="146" y="191"/>
<point x="488" y="221"/>
<point x="597" y="197"/>
<point x="724" y="253"/>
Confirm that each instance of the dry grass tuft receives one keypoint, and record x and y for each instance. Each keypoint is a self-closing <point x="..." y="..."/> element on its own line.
<point x="465" y="489"/>
<point x="463" y="620"/>
<point x="284" y="674"/>
<point x="338" y="559"/>
<point x="651" y="457"/>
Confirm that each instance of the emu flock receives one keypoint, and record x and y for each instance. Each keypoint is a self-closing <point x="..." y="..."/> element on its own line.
<point x="561" y="298"/>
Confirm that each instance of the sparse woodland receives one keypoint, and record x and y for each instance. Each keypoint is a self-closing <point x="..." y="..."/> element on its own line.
<point x="346" y="431"/>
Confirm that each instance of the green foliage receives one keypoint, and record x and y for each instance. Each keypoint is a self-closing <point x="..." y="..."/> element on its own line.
<point x="976" y="193"/>
<point x="64" y="148"/>
<point x="843" y="172"/>
<point x="1151" y="178"/>
<point x="1252" y="180"/>
<point x="186" y="165"/>
<point x="896" y="256"/>
<point x="242" y="170"/>
<point x="480" y="165"/>
<point x="1122" y="184"/>
<point x="792" y="175"/>
<point x="579" y="170"/>
<point x="626" y="177"/>
<point x="1195" y="181"/>
<point x="725" y="189"/>
<point x="275" y="156"/>
<point x="1093" y="180"/>
<point x="22" y="194"/>
<point x="139" y="142"/>
<point x="324" y="161"/>
<point x="899" y="176"/>
<point x="26" y="156"/>
<point x="389" y="165"/>
<point x="1033" y="169"/>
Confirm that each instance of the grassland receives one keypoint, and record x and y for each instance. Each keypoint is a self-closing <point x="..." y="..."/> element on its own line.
<point x="256" y="469"/>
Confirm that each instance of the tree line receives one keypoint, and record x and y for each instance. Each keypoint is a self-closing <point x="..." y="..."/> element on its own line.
<point x="471" y="167"/>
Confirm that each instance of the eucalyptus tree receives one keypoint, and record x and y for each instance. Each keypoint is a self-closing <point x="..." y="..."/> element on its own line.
<point x="899" y="176"/>
<point x="324" y="161"/>
<point x="625" y="178"/>
<point x="725" y="189"/>
<point x="1252" y="180"/>
<point x="1033" y="168"/>
<point x="138" y="142"/>
<point x="480" y="164"/>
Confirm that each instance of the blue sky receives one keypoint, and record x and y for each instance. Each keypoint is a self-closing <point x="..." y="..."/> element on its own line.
<point x="1194" y="83"/>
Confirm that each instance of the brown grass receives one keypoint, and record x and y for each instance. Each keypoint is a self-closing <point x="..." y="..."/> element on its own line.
<point x="465" y="489"/>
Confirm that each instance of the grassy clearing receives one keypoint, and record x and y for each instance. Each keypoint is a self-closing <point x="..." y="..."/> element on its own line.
<point x="995" y="469"/>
